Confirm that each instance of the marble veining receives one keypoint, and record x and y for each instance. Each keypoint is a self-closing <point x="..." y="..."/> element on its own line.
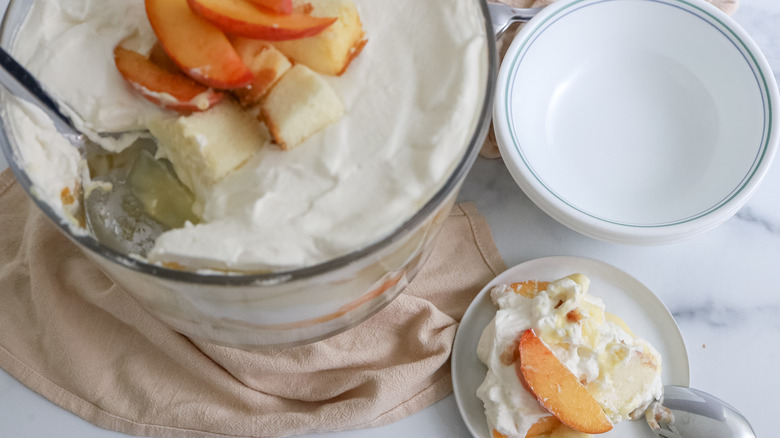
<point x="722" y="288"/>
<point x="748" y="215"/>
<point x="719" y="316"/>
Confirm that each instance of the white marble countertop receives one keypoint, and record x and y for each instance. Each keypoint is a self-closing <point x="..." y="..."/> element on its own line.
<point x="719" y="286"/>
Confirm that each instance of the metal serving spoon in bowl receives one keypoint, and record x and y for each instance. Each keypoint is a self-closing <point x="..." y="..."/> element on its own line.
<point x="22" y="84"/>
<point x="696" y="414"/>
<point x="108" y="210"/>
<point x="19" y="82"/>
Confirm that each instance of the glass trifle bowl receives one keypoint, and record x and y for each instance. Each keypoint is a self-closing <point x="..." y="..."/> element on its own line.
<point x="246" y="303"/>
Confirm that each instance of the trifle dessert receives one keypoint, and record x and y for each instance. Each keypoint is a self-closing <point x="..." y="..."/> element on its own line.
<point x="256" y="135"/>
<point x="559" y="365"/>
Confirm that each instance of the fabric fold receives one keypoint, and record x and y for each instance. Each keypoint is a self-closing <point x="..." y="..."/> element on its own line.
<point x="72" y="335"/>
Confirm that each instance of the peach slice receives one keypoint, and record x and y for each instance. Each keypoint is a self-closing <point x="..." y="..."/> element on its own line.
<point x="168" y="89"/>
<point x="278" y="6"/>
<point x="558" y="389"/>
<point x="543" y="426"/>
<point x="240" y="17"/>
<point x="200" y="49"/>
<point x="158" y="56"/>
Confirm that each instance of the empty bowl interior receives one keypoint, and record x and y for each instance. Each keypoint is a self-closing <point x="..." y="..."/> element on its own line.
<point x="636" y="113"/>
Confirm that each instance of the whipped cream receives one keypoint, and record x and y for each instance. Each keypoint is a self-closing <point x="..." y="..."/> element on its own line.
<point x="68" y="45"/>
<point x="595" y="346"/>
<point x="509" y="408"/>
<point x="412" y="101"/>
<point x="52" y="163"/>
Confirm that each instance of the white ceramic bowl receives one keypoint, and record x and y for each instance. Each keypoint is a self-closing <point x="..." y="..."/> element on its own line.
<point x="636" y="121"/>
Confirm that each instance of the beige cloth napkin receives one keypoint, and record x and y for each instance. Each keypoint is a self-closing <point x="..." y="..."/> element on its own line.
<point x="490" y="146"/>
<point x="69" y="333"/>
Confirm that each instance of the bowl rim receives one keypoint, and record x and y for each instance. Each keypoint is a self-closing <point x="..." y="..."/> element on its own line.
<point x="589" y="223"/>
<point x="236" y="278"/>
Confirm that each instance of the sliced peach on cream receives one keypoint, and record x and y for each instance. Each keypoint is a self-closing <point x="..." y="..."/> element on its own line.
<point x="543" y="427"/>
<point x="168" y="89"/>
<point x="558" y="389"/>
<point x="278" y="6"/>
<point x="158" y="56"/>
<point x="201" y="50"/>
<point x="243" y="18"/>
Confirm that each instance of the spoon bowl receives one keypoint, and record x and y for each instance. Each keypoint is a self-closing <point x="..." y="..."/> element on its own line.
<point x="697" y="414"/>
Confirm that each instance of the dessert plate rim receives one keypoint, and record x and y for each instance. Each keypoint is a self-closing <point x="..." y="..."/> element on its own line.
<point x="623" y="295"/>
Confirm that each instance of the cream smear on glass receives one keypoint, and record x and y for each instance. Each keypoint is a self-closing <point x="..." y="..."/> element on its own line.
<point x="412" y="102"/>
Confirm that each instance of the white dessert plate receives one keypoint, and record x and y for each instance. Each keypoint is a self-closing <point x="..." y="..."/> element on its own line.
<point x="623" y="295"/>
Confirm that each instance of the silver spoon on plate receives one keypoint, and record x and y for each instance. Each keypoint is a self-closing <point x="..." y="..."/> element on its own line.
<point x="696" y="414"/>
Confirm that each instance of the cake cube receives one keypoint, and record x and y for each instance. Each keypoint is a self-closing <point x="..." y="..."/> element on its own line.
<point x="300" y="104"/>
<point x="267" y="65"/>
<point x="331" y="51"/>
<point x="204" y="147"/>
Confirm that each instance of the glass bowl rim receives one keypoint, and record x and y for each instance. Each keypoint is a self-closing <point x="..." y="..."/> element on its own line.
<point x="284" y="276"/>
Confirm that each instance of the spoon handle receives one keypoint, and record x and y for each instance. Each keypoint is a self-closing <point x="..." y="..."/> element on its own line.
<point x="19" y="82"/>
<point x="502" y="16"/>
